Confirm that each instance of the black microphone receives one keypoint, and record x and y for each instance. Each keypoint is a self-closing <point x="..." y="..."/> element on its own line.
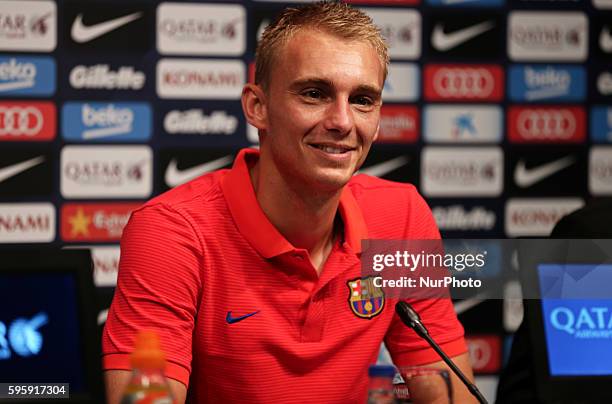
<point x="411" y="318"/>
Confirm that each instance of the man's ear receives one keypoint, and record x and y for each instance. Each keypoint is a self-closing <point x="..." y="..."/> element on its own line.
<point x="377" y="131"/>
<point x="254" y="106"/>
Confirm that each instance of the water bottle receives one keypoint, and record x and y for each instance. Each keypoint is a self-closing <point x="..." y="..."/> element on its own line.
<point x="147" y="383"/>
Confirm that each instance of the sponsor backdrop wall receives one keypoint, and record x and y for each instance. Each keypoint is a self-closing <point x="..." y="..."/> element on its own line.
<point x="498" y="110"/>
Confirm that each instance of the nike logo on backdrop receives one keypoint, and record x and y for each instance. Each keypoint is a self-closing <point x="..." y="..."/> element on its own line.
<point x="81" y="33"/>
<point x="232" y="320"/>
<point x="384" y="168"/>
<point x="443" y="41"/>
<point x="605" y="40"/>
<point x="525" y="177"/>
<point x="13" y="170"/>
<point x="175" y="177"/>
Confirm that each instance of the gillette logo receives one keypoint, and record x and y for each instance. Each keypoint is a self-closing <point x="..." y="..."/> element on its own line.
<point x="583" y="323"/>
<point x="23" y="336"/>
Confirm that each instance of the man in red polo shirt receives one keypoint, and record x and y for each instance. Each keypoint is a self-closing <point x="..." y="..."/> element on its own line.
<point x="252" y="276"/>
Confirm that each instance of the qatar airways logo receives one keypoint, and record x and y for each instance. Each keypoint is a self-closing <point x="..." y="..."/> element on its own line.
<point x="474" y="171"/>
<point x="593" y="322"/>
<point x="200" y="79"/>
<point x="102" y="77"/>
<point x="401" y="28"/>
<point x="546" y="124"/>
<point x="544" y="36"/>
<point x="196" y="122"/>
<point x="463" y="82"/>
<point x="28" y="25"/>
<point x="201" y="29"/>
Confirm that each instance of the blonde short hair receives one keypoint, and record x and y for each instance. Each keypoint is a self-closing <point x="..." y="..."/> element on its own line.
<point x="330" y="17"/>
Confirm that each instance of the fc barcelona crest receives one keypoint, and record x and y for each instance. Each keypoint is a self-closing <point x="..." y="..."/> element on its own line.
<point x="365" y="299"/>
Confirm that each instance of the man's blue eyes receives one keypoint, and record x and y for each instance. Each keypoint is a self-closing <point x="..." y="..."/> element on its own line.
<point x="361" y="100"/>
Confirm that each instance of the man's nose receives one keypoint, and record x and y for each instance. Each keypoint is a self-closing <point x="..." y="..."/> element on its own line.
<point x="339" y="116"/>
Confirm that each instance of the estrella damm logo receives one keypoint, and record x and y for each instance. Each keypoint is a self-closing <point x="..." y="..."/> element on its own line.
<point x="365" y="299"/>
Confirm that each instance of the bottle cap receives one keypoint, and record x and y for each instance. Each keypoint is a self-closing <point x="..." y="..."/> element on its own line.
<point x="147" y="352"/>
<point x="381" y="371"/>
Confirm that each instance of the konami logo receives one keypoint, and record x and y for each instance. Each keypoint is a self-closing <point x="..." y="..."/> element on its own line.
<point x="27" y="121"/>
<point x="464" y="82"/>
<point x="398" y="124"/>
<point x="94" y="222"/>
<point x="600" y="170"/>
<point x="27" y="222"/>
<point x="485" y="352"/>
<point x="200" y="79"/>
<point x="537" y="217"/>
<point x="543" y="124"/>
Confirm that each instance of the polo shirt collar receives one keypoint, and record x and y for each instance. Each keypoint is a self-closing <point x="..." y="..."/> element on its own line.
<point x="255" y="226"/>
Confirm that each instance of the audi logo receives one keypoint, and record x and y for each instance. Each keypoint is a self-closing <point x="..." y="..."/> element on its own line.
<point x="465" y="82"/>
<point x="546" y="124"/>
<point x="15" y="121"/>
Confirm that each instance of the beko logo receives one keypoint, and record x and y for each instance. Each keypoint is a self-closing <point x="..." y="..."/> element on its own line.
<point x="462" y="172"/>
<point x="547" y="36"/>
<point x="201" y="79"/>
<point x="28" y="25"/>
<point x="195" y="122"/>
<point x="101" y="77"/>
<point x="27" y="121"/>
<point x="28" y="76"/>
<point x="201" y="29"/>
<point x="601" y="124"/>
<point x="546" y="124"/>
<point x="106" y="172"/>
<point x="398" y="124"/>
<point x="401" y="29"/>
<point x="463" y="82"/>
<point x="537" y="217"/>
<point x="548" y="82"/>
<point x="463" y="123"/>
<point x="604" y="83"/>
<point x="95" y="222"/>
<point x="92" y="121"/>
<point x="27" y="222"/>
<point x="600" y="170"/>
<point x="457" y="217"/>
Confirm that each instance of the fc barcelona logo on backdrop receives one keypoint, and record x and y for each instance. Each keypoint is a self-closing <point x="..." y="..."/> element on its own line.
<point x="365" y="299"/>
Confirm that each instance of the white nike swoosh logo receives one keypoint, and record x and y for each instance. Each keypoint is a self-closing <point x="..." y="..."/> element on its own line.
<point x="175" y="177"/>
<point x="527" y="177"/>
<point x="384" y="168"/>
<point x="445" y="41"/>
<point x="81" y="34"/>
<point x="605" y="40"/>
<point x="13" y="170"/>
<point x="464" y="305"/>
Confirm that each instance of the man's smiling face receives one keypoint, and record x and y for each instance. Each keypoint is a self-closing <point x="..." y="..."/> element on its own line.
<point x="323" y="109"/>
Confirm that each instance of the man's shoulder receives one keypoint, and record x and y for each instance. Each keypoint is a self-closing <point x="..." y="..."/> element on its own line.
<point x="198" y="193"/>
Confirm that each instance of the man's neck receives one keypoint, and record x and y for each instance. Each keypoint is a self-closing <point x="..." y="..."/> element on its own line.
<point x="306" y="220"/>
